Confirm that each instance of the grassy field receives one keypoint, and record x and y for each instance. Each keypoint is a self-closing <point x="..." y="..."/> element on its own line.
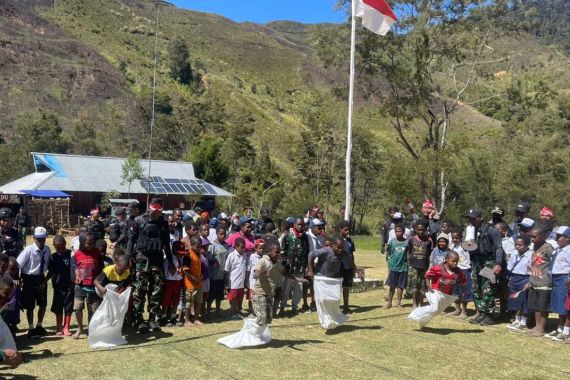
<point x="374" y="344"/>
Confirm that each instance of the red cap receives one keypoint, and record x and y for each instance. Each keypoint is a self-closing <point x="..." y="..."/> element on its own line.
<point x="155" y="207"/>
<point x="259" y="241"/>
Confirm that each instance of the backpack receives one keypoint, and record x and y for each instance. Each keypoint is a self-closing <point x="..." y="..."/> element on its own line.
<point x="485" y="245"/>
<point x="114" y="230"/>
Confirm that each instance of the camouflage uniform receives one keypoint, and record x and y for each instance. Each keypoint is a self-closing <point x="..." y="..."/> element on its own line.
<point x="262" y="308"/>
<point x="488" y="254"/>
<point x="149" y="241"/>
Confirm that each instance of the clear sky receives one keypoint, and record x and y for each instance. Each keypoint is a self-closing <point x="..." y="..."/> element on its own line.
<point x="262" y="11"/>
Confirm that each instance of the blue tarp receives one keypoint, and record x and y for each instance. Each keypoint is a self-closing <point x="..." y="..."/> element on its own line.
<point x="46" y="193"/>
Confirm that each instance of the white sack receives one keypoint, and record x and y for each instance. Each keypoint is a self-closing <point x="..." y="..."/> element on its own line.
<point x="438" y="302"/>
<point x="107" y="321"/>
<point x="327" y="298"/>
<point x="250" y="335"/>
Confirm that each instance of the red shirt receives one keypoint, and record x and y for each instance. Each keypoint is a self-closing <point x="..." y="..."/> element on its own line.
<point x="89" y="265"/>
<point x="444" y="281"/>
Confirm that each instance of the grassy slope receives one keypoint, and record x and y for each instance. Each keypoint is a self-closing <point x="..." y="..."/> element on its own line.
<point x="375" y="344"/>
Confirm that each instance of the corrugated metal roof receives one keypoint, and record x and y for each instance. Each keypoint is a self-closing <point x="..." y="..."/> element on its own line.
<point x="67" y="172"/>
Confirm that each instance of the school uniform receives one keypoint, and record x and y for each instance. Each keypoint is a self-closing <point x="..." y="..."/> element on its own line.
<point x="173" y="284"/>
<point x="464" y="292"/>
<point x="517" y="268"/>
<point x="235" y="266"/>
<point x="34" y="263"/>
<point x="560" y="270"/>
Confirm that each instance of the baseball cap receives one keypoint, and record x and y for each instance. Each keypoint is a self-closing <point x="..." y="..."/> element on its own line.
<point x="214" y="222"/>
<point x="475" y="213"/>
<point x="397" y="216"/>
<point x="523" y="207"/>
<point x="317" y="223"/>
<point x="527" y="223"/>
<point x="562" y="230"/>
<point x="245" y="219"/>
<point x="498" y="211"/>
<point x="40" y="233"/>
<point x="223" y="215"/>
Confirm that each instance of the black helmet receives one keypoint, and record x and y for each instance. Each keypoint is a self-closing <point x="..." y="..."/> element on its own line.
<point x="5" y="213"/>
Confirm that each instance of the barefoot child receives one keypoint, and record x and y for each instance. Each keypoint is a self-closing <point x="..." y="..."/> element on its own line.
<point x="173" y="284"/>
<point x="218" y="254"/>
<point x="265" y="274"/>
<point x="253" y="259"/>
<point x="397" y="266"/>
<point x="235" y="269"/>
<point x="517" y="268"/>
<point x="12" y="317"/>
<point x="63" y="285"/>
<point x="192" y="269"/>
<point x="88" y="263"/>
<point x="441" y="280"/>
<point x="540" y="279"/>
<point x="419" y="249"/>
<point x="464" y="292"/>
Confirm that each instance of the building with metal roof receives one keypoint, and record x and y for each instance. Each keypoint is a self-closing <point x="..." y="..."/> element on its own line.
<point x="86" y="178"/>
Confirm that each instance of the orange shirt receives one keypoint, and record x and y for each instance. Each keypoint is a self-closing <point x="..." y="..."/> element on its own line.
<point x="191" y="263"/>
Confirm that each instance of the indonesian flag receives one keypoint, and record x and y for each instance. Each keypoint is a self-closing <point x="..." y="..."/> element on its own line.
<point x="376" y="15"/>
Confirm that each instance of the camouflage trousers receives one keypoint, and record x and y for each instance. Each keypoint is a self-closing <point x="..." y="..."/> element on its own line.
<point x="262" y="308"/>
<point x="147" y="284"/>
<point x="484" y="291"/>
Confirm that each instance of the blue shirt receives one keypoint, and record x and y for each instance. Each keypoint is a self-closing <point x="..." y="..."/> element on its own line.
<point x="561" y="260"/>
<point x="518" y="264"/>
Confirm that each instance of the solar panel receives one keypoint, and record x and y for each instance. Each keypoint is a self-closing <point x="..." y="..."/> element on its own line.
<point x="159" y="185"/>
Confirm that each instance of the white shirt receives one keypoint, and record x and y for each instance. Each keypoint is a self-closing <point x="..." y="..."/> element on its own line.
<point x="235" y="266"/>
<point x="561" y="260"/>
<point x="315" y="242"/>
<point x="74" y="244"/>
<point x="552" y="242"/>
<point x="253" y="259"/>
<point x="509" y="248"/>
<point x="392" y="234"/>
<point x="172" y="277"/>
<point x="213" y="235"/>
<point x="30" y="259"/>
<point x="519" y="264"/>
<point x="464" y="257"/>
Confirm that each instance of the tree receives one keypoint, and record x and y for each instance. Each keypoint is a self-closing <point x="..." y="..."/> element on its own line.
<point x="180" y="67"/>
<point x="84" y="138"/>
<point x="208" y="162"/>
<point x="132" y="170"/>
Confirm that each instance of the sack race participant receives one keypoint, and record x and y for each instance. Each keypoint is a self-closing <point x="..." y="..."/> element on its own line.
<point x="107" y="321"/>
<point x="255" y="332"/>
<point x="441" y="281"/>
<point x="327" y="282"/>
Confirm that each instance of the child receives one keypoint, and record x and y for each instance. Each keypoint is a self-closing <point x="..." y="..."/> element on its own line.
<point x="440" y="252"/>
<point x="464" y="293"/>
<point x="540" y="279"/>
<point x="173" y="284"/>
<point x="419" y="248"/>
<point x="218" y="254"/>
<point x="34" y="262"/>
<point x="560" y="270"/>
<point x="117" y="274"/>
<point x="265" y="274"/>
<point x="446" y="228"/>
<point x="517" y="268"/>
<point x="63" y="286"/>
<point x="192" y="269"/>
<point x="235" y="269"/>
<point x="443" y="279"/>
<point x="101" y="246"/>
<point x="348" y="264"/>
<point x="253" y="259"/>
<point x="397" y="266"/>
<point x="12" y="317"/>
<point x="88" y="263"/>
<point x="205" y="272"/>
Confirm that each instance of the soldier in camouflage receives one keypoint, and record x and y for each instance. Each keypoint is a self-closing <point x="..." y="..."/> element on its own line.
<point x="489" y="254"/>
<point x="149" y="243"/>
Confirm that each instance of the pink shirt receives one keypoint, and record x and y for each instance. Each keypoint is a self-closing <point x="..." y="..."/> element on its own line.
<point x="249" y="241"/>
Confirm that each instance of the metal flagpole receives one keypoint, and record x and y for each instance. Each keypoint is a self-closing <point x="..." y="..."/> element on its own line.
<point x="153" y="99"/>
<point x="347" y="210"/>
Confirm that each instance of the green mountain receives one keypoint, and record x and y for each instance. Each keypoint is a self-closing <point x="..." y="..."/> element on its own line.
<point x="258" y="95"/>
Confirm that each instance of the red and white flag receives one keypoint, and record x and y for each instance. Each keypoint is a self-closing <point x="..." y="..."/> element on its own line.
<point x="376" y="15"/>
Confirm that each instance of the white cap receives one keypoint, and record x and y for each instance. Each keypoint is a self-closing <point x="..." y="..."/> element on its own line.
<point x="223" y="215"/>
<point x="397" y="215"/>
<point x="40" y="233"/>
<point x="527" y="223"/>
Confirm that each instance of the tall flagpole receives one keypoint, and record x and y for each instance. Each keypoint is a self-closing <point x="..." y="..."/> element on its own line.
<point x="348" y="204"/>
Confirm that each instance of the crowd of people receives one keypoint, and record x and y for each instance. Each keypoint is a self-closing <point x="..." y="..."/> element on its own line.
<point x="524" y="265"/>
<point x="185" y="264"/>
<point x="182" y="266"/>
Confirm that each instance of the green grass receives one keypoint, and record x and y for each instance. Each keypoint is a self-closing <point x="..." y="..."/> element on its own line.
<point x="375" y="344"/>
